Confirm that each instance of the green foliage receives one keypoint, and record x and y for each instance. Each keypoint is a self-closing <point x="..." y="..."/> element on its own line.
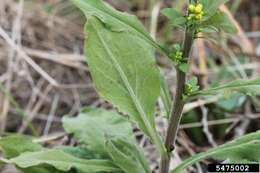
<point x="80" y="152"/>
<point x="215" y="20"/>
<point x="202" y="17"/>
<point x="247" y="87"/>
<point x="243" y="148"/>
<point x="14" y="145"/>
<point x="190" y="87"/>
<point x="130" y="83"/>
<point x="219" y="22"/>
<point x="61" y="161"/>
<point x="127" y="155"/>
<point x="99" y="131"/>
<point x="211" y="6"/>
<point x="120" y="56"/>
<point x="113" y="19"/>
<point x="92" y="125"/>
<point x="178" y="58"/>
<point x="166" y="98"/>
<point x="234" y="101"/>
<point x="95" y="123"/>
<point x="41" y="169"/>
<point x="184" y="67"/>
<point x="103" y="147"/>
<point x="176" y="17"/>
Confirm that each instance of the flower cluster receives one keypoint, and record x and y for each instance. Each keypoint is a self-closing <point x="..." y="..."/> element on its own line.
<point x="178" y="57"/>
<point x="195" y="12"/>
<point x="188" y="89"/>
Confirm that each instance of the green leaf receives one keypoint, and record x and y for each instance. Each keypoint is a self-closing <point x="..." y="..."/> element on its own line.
<point x="176" y="17"/>
<point x="243" y="148"/>
<point x="247" y="87"/>
<point x="61" y="161"/>
<point x="124" y="72"/>
<point x="219" y="21"/>
<point x="127" y="155"/>
<point x="79" y="152"/>
<point x="194" y="84"/>
<point x="91" y="126"/>
<point x="42" y="169"/>
<point x="211" y="6"/>
<point x="184" y="67"/>
<point x="236" y="100"/>
<point x="166" y="97"/>
<point x="193" y="81"/>
<point x="113" y="19"/>
<point x="14" y="145"/>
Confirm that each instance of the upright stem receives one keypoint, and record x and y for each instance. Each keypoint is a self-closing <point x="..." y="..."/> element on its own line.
<point x="177" y="107"/>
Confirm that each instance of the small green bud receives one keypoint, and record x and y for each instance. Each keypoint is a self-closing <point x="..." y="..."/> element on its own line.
<point x="189" y="18"/>
<point x="178" y="57"/>
<point x="188" y="89"/>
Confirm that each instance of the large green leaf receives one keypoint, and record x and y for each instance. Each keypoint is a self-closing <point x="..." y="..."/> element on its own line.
<point x="124" y="72"/>
<point x="61" y="161"/>
<point x="113" y="19"/>
<point x="243" y="148"/>
<point x="80" y="152"/>
<point x="91" y="126"/>
<point x="248" y="87"/>
<point x="14" y="145"/>
<point x="101" y="130"/>
<point x="127" y="155"/>
<point x="42" y="169"/>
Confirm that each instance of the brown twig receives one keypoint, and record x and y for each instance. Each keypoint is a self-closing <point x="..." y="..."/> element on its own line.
<point x="28" y="59"/>
<point x="16" y="37"/>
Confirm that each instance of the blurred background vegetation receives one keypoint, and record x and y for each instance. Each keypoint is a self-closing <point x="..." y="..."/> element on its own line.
<point x="43" y="74"/>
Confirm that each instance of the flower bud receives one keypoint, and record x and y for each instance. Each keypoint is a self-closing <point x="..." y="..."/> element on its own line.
<point x="198" y="9"/>
<point x="191" y="8"/>
<point x="188" y="89"/>
<point x="198" y="16"/>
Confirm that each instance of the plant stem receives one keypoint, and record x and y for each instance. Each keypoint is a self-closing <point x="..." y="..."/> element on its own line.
<point x="177" y="107"/>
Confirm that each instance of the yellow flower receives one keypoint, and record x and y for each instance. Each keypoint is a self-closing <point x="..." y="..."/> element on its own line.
<point x="198" y="16"/>
<point x="198" y="9"/>
<point x="191" y="8"/>
<point x="195" y="12"/>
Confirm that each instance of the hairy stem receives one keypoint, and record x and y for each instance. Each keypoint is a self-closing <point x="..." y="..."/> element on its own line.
<point x="177" y="107"/>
